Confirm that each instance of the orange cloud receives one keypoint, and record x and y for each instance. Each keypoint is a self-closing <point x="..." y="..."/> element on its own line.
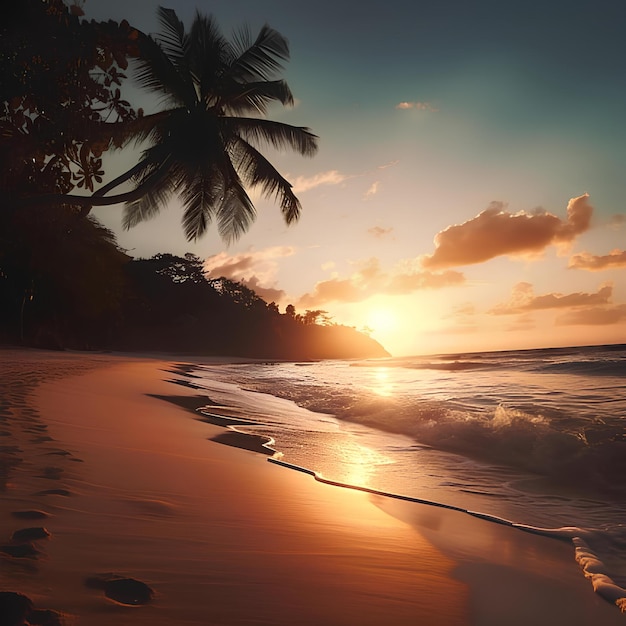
<point x="496" y="232"/>
<point x="373" y="189"/>
<point x="238" y="266"/>
<point x="618" y="219"/>
<point x="523" y="300"/>
<point x="304" y="183"/>
<point x="596" y="316"/>
<point x="407" y="283"/>
<point x="379" y="232"/>
<point x="369" y="280"/>
<point x="254" y="268"/>
<point x="269" y="294"/>
<point x="594" y="263"/>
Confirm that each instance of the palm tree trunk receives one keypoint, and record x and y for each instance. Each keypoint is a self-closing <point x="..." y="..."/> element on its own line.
<point x="98" y="198"/>
<point x="116" y="182"/>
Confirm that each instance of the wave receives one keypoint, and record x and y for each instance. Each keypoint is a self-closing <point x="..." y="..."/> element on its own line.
<point x="587" y="360"/>
<point x="610" y="367"/>
<point x="557" y="445"/>
<point x="545" y="441"/>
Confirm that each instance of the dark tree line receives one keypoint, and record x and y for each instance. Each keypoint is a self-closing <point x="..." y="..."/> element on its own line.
<point x="166" y="303"/>
<point x="174" y="307"/>
<point x="64" y="282"/>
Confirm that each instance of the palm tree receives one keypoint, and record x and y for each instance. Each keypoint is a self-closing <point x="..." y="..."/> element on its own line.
<point x="205" y="145"/>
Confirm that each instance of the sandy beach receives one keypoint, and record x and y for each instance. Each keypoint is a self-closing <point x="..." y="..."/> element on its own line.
<point x="129" y="486"/>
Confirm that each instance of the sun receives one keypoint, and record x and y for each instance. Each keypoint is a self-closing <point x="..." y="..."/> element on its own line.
<point x="382" y="320"/>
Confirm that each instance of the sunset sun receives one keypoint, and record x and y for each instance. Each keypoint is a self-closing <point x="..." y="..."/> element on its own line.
<point x="382" y="320"/>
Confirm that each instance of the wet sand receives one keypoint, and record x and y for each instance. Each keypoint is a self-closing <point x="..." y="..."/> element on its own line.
<point x="129" y="486"/>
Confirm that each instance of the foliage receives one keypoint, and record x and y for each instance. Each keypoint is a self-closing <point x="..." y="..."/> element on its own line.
<point x="60" y="96"/>
<point x="205" y="145"/>
<point x="62" y="279"/>
<point x="176" y="308"/>
<point x="61" y="107"/>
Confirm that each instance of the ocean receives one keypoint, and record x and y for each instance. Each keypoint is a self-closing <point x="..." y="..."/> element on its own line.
<point x="531" y="438"/>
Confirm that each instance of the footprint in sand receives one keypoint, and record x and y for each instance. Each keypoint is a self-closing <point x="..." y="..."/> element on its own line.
<point x="22" y="551"/>
<point x="54" y="492"/>
<point x="30" y="514"/>
<point x="26" y="535"/>
<point x="52" y="473"/>
<point x="21" y="546"/>
<point x="17" y="609"/>
<point x="120" y="589"/>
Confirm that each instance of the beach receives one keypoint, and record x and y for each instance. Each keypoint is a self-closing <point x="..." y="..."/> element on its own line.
<point x="131" y="486"/>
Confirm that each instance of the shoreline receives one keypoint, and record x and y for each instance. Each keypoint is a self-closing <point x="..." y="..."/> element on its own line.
<point x="224" y="537"/>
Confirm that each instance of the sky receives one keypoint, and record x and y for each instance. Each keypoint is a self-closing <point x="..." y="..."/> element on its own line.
<point x="469" y="189"/>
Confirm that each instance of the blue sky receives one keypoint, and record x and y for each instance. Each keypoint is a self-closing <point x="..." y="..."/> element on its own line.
<point x="430" y="114"/>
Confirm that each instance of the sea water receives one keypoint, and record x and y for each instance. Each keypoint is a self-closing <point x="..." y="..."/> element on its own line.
<point x="535" y="438"/>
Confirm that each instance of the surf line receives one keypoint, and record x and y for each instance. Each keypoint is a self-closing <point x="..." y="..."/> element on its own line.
<point x="588" y="561"/>
<point x="327" y="481"/>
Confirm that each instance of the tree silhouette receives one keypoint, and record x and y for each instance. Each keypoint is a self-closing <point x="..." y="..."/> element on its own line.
<point x="60" y="102"/>
<point x="205" y="146"/>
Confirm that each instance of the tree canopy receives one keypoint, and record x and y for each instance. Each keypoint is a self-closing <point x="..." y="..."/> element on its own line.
<point x="204" y="146"/>
<point x="60" y="100"/>
<point x="64" y="282"/>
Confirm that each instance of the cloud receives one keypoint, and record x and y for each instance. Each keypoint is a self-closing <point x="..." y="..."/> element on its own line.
<point x="594" y="263"/>
<point x="379" y="232"/>
<point x="388" y="165"/>
<point x="333" y="290"/>
<point x="332" y="177"/>
<point x="595" y="316"/>
<point x="407" y="283"/>
<point x="369" y="280"/>
<point x="496" y="232"/>
<point x="240" y="265"/>
<point x="618" y="220"/>
<point x="372" y="190"/>
<point x="523" y="300"/>
<point x="255" y="269"/>
<point x="269" y="294"/>
<point x="419" y="106"/>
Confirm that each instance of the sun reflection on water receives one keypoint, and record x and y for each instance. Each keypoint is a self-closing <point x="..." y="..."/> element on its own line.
<point x="381" y="383"/>
<point x="356" y="464"/>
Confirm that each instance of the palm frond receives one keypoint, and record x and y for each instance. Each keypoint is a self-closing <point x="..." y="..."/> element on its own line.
<point x="202" y="193"/>
<point x="155" y="178"/>
<point x="258" y="60"/>
<point x="256" y="170"/>
<point x="254" y="96"/>
<point x="140" y="129"/>
<point x="268" y="132"/>
<point x="203" y="147"/>
<point x="172" y="39"/>
<point x="157" y="73"/>
<point x="206" y="55"/>
<point x="144" y="209"/>
<point x="236" y="213"/>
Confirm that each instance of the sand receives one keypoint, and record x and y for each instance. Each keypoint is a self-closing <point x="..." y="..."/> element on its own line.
<point x="132" y="486"/>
